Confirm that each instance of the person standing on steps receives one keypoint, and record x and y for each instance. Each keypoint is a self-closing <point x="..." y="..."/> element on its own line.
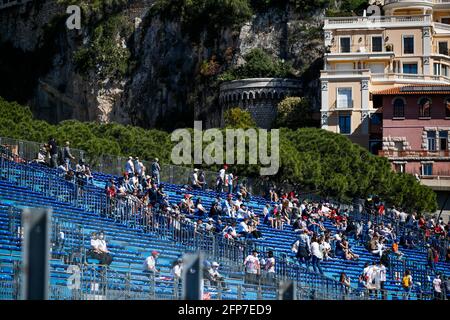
<point x="67" y="155"/>
<point x="53" y="150"/>
<point x="156" y="171"/>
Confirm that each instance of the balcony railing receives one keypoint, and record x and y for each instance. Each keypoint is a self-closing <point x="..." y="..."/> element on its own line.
<point x="413" y="153"/>
<point x="409" y="76"/>
<point x="363" y="48"/>
<point x="362" y="21"/>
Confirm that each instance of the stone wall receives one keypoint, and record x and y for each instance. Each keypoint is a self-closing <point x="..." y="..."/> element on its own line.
<point x="260" y="96"/>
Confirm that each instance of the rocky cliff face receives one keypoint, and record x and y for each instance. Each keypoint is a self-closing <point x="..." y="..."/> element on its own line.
<point x="172" y="78"/>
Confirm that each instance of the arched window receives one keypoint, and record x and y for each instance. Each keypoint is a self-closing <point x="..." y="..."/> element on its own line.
<point x="424" y="107"/>
<point x="399" y="108"/>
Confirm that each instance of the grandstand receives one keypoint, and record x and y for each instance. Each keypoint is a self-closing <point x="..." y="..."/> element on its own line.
<point x="133" y="231"/>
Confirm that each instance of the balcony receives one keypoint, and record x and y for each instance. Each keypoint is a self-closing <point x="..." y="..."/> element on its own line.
<point x="378" y="21"/>
<point x="409" y="78"/>
<point x="414" y="154"/>
<point x="330" y="74"/>
<point x="343" y="104"/>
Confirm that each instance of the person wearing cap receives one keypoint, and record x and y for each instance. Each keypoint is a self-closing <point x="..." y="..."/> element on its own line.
<point x="129" y="167"/>
<point x="155" y="170"/>
<point x="210" y="227"/>
<point x="252" y="268"/>
<point x="214" y="276"/>
<point x="150" y="263"/>
<point x="67" y="155"/>
<point x="146" y="183"/>
<point x="187" y="205"/>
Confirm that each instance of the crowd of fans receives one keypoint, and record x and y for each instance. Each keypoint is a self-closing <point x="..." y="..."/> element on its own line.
<point x="383" y="231"/>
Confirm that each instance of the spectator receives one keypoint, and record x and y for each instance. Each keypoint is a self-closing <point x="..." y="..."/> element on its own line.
<point x="326" y="248"/>
<point x="407" y="284"/>
<point x="215" y="278"/>
<point x="199" y="209"/>
<point x="41" y="155"/>
<point x="316" y="255"/>
<point x="194" y="180"/>
<point x="437" y="287"/>
<point x="129" y="167"/>
<point x="395" y="250"/>
<point x="430" y="257"/>
<point x="220" y="181"/>
<point x="304" y="249"/>
<point x="202" y="180"/>
<point x="344" y="280"/>
<point x="229" y="180"/>
<point x="150" y="264"/>
<point x="269" y="267"/>
<point x="446" y="285"/>
<point x="156" y="170"/>
<point x="348" y="253"/>
<point x="177" y="269"/>
<point x="138" y="168"/>
<point x="246" y="229"/>
<point x="53" y="150"/>
<point x="67" y="155"/>
<point x="99" y="250"/>
<point x="252" y="268"/>
<point x="381" y="279"/>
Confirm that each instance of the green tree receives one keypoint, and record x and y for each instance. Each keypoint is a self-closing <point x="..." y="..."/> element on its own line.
<point x="238" y="118"/>
<point x="259" y="64"/>
<point x="295" y="112"/>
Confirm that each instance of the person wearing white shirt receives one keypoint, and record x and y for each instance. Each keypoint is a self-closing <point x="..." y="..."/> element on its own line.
<point x="100" y="250"/>
<point x="316" y="255"/>
<point x="437" y="287"/>
<point x="129" y="167"/>
<point x="137" y="167"/>
<point x="215" y="278"/>
<point x="269" y="267"/>
<point x="177" y="269"/>
<point x="325" y="247"/>
<point x="382" y="279"/>
<point x="194" y="180"/>
<point x="243" y="229"/>
<point x="220" y="180"/>
<point x="402" y="216"/>
<point x="252" y="268"/>
<point x="150" y="263"/>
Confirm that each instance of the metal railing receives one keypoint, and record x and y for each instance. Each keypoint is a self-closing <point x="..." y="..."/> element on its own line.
<point x="413" y="153"/>
<point x="25" y="151"/>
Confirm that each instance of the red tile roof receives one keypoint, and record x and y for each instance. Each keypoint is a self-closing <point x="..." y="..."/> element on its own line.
<point x="416" y="89"/>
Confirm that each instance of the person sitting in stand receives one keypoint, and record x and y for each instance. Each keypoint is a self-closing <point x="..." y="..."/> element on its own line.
<point x="150" y="264"/>
<point x="348" y="253"/>
<point x="215" y="278"/>
<point x="199" y="209"/>
<point x="99" y="250"/>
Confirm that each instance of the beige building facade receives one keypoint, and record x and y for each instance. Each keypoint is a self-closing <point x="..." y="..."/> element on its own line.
<point x="406" y="43"/>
